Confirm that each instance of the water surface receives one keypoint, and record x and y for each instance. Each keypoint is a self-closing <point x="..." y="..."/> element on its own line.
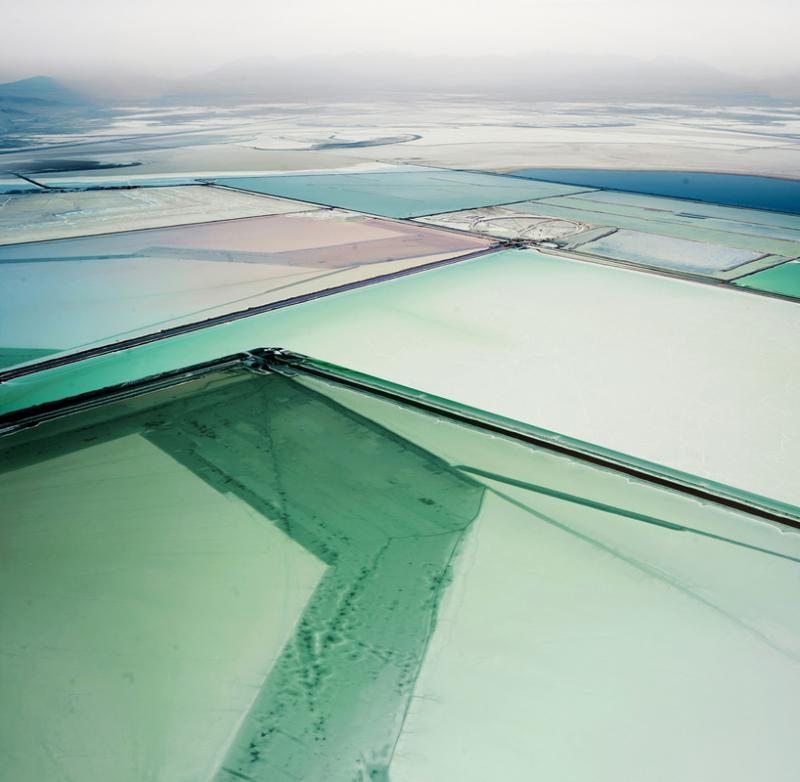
<point x="756" y="192"/>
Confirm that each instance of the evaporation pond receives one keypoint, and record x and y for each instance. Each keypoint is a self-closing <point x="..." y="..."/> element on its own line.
<point x="257" y="577"/>
<point x="44" y="215"/>
<point x="582" y="349"/>
<point x="757" y="192"/>
<point x="783" y="279"/>
<point x="401" y="193"/>
<point x="69" y="293"/>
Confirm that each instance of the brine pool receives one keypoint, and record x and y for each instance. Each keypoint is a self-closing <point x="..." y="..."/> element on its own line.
<point x="755" y="192"/>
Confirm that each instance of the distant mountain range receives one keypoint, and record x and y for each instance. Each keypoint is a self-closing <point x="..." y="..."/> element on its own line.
<point x="41" y="90"/>
<point x="40" y="105"/>
<point x="540" y="76"/>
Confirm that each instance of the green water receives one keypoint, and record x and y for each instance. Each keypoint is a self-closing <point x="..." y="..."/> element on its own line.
<point x="783" y="279"/>
<point x="262" y="578"/>
<point x="10" y="357"/>
<point x="386" y="519"/>
<point x="582" y="349"/>
<point x="381" y="518"/>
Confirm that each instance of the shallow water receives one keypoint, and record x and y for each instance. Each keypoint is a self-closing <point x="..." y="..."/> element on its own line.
<point x="263" y="578"/>
<point x="598" y="353"/>
<point x="400" y="193"/>
<point x="783" y="279"/>
<point x="757" y="192"/>
<point x="67" y="293"/>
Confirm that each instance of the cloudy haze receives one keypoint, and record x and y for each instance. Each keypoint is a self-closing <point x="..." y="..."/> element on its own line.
<point x="180" y="38"/>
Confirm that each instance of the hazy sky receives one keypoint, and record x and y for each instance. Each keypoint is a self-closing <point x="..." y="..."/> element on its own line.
<point x="182" y="37"/>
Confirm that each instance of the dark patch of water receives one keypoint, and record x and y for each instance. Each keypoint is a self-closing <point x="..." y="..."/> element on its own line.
<point x="755" y="192"/>
<point x="53" y="165"/>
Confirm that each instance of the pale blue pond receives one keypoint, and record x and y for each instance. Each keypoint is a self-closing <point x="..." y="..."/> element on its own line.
<point x="756" y="192"/>
<point x="401" y="193"/>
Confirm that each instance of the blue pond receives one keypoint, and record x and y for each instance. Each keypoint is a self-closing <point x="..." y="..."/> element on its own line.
<point x="756" y="192"/>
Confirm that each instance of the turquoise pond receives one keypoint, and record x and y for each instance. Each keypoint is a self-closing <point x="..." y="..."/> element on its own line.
<point x="783" y="279"/>
<point x="401" y="193"/>
<point x="756" y="192"/>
